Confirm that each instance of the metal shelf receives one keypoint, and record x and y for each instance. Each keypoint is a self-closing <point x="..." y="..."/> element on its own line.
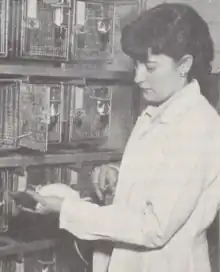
<point x="77" y="72"/>
<point x="62" y="157"/>
<point x="19" y="247"/>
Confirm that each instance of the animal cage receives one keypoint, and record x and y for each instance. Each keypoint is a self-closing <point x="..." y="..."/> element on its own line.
<point x="37" y="261"/>
<point x="45" y="29"/>
<point x="7" y="264"/>
<point x="4" y="12"/>
<point x="9" y="115"/>
<point x="38" y="176"/>
<point x="14" y="183"/>
<point x="32" y="115"/>
<point x="10" y="182"/>
<point x="36" y="115"/>
<point x="90" y="113"/>
<point x="94" y="31"/>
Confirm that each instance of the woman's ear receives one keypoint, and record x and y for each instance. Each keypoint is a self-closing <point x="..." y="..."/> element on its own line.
<point x="185" y="64"/>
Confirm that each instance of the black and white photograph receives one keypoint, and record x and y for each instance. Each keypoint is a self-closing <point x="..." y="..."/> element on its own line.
<point x="109" y="135"/>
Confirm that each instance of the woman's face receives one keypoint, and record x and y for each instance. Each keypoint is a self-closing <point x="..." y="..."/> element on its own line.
<point x="159" y="78"/>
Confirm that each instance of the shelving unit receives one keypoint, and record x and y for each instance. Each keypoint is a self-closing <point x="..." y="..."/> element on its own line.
<point x="78" y="157"/>
<point x="77" y="74"/>
<point x="13" y="159"/>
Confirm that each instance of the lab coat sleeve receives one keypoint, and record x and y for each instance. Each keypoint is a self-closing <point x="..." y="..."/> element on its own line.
<point x="173" y="196"/>
<point x="91" y="222"/>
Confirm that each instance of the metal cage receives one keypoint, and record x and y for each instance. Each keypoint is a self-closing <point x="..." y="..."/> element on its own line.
<point x="38" y="176"/>
<point x="38" y="261"/>
<point x="9" y="182"/>
<point x="4" y="12"/>
<point x="43" y="260"/>
<point x="9" y="114"/>
<point x="90" y="113"/>
<point x="94" y="31"/>
<point x="45" y="30"/>
<point x="36" y="115"/>
<point x="7" y="264"/>
<point x="32" y="115"/>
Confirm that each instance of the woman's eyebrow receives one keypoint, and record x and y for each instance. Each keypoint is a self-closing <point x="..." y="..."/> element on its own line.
<point x="152" y="62"/>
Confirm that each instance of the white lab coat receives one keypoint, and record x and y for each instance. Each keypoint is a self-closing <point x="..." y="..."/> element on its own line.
<point x="167" y="195"/>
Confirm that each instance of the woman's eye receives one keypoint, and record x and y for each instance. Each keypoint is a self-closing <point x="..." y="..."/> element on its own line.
<point x="151" y="69"/>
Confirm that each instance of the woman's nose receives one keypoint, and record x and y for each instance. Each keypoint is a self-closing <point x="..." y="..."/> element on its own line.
<point x="140" y="73"/>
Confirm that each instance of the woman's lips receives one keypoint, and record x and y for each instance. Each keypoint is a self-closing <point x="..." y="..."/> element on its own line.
<point x="146" y="90"/>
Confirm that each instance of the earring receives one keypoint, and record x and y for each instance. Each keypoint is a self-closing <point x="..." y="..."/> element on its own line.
<point x="183" y="74"/>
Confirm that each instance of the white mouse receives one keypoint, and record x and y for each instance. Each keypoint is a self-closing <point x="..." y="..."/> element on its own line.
<point x="57" y="190"/>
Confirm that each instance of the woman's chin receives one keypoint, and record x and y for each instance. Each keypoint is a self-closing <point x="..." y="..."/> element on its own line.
<point x="148" y="98"/>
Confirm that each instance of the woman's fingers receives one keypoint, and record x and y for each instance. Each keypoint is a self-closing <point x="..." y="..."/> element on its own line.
<point x="41" y="209"/>
<point x="103" y="182"/>
<point x="104" y="179"/>
<point x="112" y="176"/>
<point x="98" y="192"/>
<point x="40" y="199"/>
<point x="96" y="182"/>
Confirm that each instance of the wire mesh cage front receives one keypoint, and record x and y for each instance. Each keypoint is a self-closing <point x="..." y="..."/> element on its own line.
<point x="45" y="30"/>
<point x="34" y="115"/>
<point x="9" y="115"/>
<point x="9" y="182"/>
<point x="90" y="113"/>
<point x="4" y="12"/>
<point x="7" y="264"/>
<point x="38" y="176"/>
<point x="43" y="260"/>
<point x="31" y="115"/>
<point x="37" y="261"/>
<point x="40" y="115"/>
<point x="94" y="31"/>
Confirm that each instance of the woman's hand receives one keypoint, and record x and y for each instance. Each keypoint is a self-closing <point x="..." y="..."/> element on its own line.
<point x="50" y="197"/>
<point x="104" y="179"/>
<point x="46" y="204"/>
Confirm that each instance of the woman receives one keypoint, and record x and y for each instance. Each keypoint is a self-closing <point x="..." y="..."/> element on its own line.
<point x="168" y="187"/>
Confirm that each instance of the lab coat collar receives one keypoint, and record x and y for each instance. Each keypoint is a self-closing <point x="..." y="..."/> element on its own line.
<point x="176" y="105"/>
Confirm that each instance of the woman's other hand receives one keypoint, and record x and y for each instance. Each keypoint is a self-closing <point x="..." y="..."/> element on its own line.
<point x="50" y="197"/>
<point x="104" y="179"/>
<point x="46" y="204"/>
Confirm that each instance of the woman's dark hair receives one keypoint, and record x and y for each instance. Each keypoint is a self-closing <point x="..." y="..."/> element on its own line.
<point x="174" y="30"/>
